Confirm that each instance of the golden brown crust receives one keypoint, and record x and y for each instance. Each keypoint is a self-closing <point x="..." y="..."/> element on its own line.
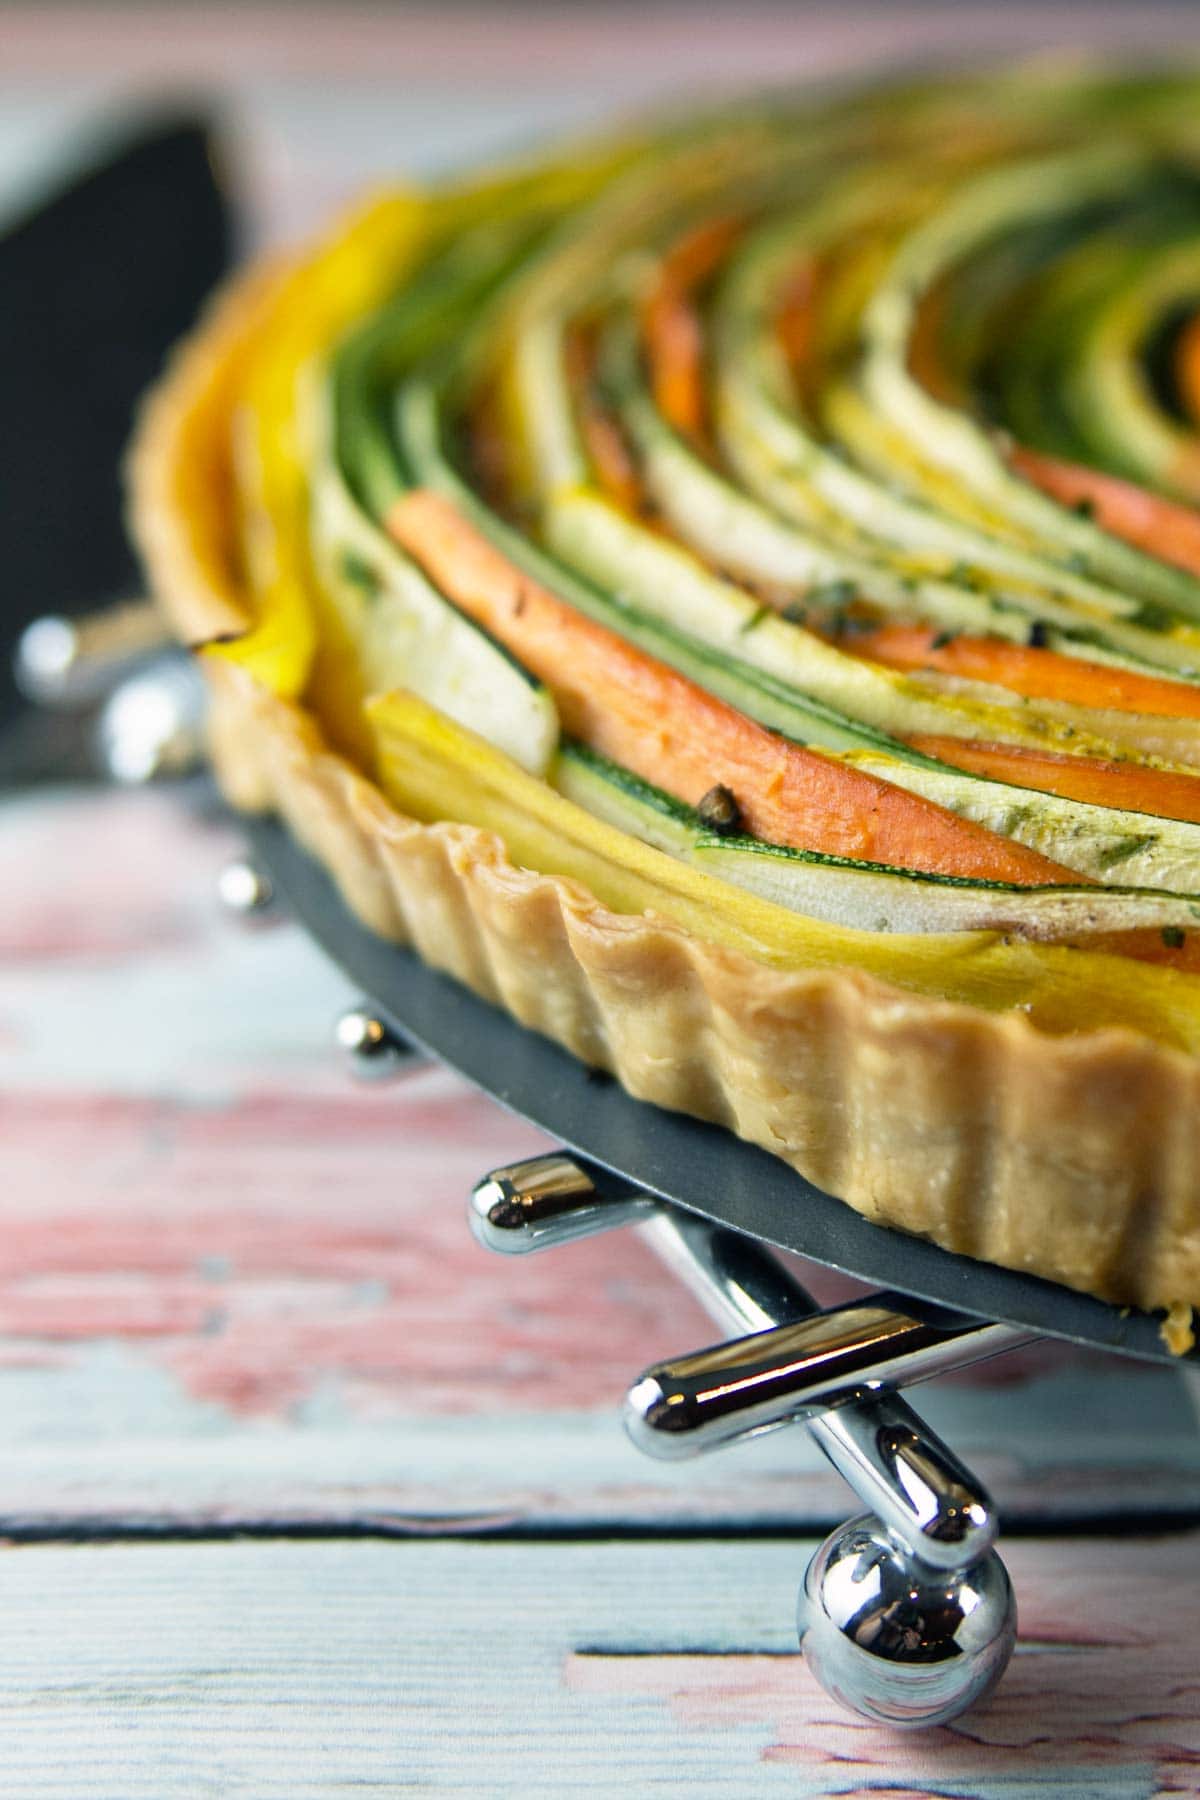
<point x="1076" y="1158"/>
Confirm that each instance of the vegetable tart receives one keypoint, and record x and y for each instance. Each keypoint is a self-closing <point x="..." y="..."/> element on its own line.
<point x="729" y="592"/>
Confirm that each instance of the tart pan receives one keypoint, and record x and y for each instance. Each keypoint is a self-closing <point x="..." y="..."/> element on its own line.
<point x="690" y="1164"/>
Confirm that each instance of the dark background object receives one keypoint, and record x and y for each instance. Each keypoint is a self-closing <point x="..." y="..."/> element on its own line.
<point x="96" y="284"/>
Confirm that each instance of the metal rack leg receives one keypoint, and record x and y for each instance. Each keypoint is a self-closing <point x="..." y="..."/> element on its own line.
<point x="906" y="1613"/>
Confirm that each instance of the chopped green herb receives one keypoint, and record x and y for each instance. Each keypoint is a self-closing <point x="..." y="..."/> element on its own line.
<point x="1121" y="849"/>
<point x="1173" y="936"/>
<point x="358" y="571"/>
<point x="1150" y="616"/>
<point x="756" y="618"/>
<point x="830" y="594"/>
<point x="1084" y="508"/>
<point x="942" y="639"/>
<point x="1039" y="635"/>
<point x="796" y="613"/>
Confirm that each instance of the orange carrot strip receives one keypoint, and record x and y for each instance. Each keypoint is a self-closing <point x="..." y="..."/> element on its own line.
<point x="607" y="451"/>
<point x="699" y="252"/>
<point x="1184" y="473"/>
<point x="1187" y="367"/>
<point x="1163" y="527"/>
<point x="795" y="317"/>
<point x="655" y="722"/>
<point x="1095" y="779"/>
<point x="1039" y="674"/>
<point x="1149" y="945"/>
<point x="489" y="448"/>
<point x="671" y="331"/>
<point x="675" y="351"/>
<point x="925" y="359"/>
<point x="610" y="458"/>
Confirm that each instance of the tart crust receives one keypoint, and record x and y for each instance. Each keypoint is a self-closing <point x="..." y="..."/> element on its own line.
<point x="1075" y="1157"/>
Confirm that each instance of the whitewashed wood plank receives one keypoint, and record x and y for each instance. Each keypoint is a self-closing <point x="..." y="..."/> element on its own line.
<point x="276" y="1671"/>
<point x="113" y="1443"/>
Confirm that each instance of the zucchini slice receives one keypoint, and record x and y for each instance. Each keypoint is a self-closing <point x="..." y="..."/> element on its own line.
<point x="864" y="896"/>
<point x="951" y="440"/>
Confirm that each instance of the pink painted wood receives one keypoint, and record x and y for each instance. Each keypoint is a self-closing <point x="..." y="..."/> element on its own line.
<point x="237" y="1291"/>
<point x="1102" y="1690"/>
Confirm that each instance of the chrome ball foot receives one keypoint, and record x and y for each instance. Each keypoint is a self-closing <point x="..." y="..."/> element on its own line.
<point x="906" y="1615"/>
<point x="244" y="889"/>
<point x="152" y="725"/>
<point x="373" y="1050"/>
<point x="900" y="1642"/>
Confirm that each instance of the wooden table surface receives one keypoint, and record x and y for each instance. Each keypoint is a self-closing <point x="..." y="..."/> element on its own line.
<point x="302" y="1494"/>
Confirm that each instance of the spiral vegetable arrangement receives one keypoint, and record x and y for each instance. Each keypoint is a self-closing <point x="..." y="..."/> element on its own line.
<point x="782" y="524"/>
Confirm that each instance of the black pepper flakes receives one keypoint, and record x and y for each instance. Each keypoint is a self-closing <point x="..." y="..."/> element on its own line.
<point x="720" y="812"/>
<point x="1173" y="936"/>
<point x="1039" y="637"/>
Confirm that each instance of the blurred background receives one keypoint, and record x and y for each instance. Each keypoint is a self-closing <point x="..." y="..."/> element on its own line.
<point x="293" y="109"/>
<point x="224" y="129"/>
<point x="316" y="99"/>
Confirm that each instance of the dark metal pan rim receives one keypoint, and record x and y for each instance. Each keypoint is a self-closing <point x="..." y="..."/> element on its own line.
<point x="679" y="1159"/>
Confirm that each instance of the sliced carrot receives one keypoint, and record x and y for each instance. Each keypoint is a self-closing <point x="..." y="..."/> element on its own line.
<point x="1163" y="527"/>
<point x="607" y="450"/>
<point x="1174" y="950"/>
<point x="1187" y="367"/>
<point x="1039" y="674"/>
<point x="655" y="722"/>
<point x="489" y="448"/>
<point x="675" y="351"/>
<point x="1184" y="472"/>
<point x="696" y="255"/>
<point x="1094" y="779"/>
<point x="671" y="330"/>
<point x="610" y="458"/>
<point x="795" y="316"/>
<point x="926" y="361"/>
